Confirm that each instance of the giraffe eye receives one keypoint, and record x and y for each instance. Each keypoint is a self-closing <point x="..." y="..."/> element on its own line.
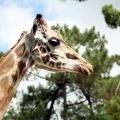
<point x="54" y="41"/>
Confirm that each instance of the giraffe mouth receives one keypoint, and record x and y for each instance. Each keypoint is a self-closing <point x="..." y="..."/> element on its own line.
<point x="85" y="71"/>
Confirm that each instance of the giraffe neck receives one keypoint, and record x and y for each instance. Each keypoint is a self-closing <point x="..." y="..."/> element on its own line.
<point x="13" y="66"/>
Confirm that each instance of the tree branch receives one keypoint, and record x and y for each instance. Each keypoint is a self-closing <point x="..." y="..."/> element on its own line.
<point x="88" y="99"/>
<point x="116" y="90"/>
<point x="38" y="76"/>
<point x="76" y="103"/>
<point x="53" y="98"/>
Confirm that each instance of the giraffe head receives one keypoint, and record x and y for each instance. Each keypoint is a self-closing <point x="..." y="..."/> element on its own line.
<point x="49" y="51"/>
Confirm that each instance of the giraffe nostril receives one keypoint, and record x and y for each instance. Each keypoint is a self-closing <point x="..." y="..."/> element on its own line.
<point x="71" y="56"/>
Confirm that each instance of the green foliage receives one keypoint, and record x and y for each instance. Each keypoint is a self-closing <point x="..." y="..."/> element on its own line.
<point x="1" y="54"/>
<point x="100" y="86"/>
<point x="94" y="90"/>
<point x="95" y="52"/>
<point x="96" y="94"/>
<point x="111" y="15"/>
<point x="112" y="108"/>
<point x="35" y="102"/>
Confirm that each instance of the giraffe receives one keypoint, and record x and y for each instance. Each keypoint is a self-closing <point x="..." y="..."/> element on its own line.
<point x="41" y="47"/>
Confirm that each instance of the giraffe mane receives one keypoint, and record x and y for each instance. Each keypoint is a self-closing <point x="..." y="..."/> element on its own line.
<point x="4" y="56"/>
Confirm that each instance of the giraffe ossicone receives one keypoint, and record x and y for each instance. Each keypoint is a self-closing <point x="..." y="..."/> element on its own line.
<point x="43" y="48"/>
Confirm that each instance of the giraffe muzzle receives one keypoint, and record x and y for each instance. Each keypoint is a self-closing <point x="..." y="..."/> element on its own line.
<point x="85" y="70"/>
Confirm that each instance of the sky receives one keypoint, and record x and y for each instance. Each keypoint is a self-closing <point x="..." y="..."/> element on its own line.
<point x="17" y="16"/>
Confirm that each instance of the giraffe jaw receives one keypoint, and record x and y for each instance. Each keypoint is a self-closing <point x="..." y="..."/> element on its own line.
<point x="82" y="70"/>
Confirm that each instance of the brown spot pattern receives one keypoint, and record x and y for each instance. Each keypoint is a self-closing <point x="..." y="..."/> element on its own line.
<point x="20" y="50"/>
<point x="26" y="55"/>
<point x="71" y="56"/>
<point x="31" y="61"/>
<point x="48" y="49"/>
<point x="35" y="52"/>
<point x="4" y="85"/>
<point x="3" y="91"/>
<point x="51" y="63"/>
<point x="21" y="66"/>
<point x="54" y="56"/>
<point x="12" y="91"/>
<point x="7" y="98"/>
<point x="14" y="75"/>
<point x="45" y="59"/>
<point x="58" y="64"/>
<point x="44" y="35"/>
<point x="42" y="49"/>
<point x="7" y="65"/>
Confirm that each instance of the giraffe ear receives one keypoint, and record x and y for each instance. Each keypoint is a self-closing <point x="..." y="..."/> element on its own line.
<point x="34" y="28"/>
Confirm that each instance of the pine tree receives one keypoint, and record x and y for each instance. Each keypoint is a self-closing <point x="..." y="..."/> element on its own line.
<point x="1" y="54"/>
<point x="111" y="16"/>
<point x="92" y="92"/>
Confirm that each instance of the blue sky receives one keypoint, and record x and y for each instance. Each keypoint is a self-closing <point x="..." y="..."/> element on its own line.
<point x="17" y="16"/>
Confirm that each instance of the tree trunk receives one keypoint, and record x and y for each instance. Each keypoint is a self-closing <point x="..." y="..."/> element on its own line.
<point x="65" y="98"/>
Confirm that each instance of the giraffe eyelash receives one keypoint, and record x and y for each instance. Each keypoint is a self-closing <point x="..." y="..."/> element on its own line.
<point x="54" y="41"/>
